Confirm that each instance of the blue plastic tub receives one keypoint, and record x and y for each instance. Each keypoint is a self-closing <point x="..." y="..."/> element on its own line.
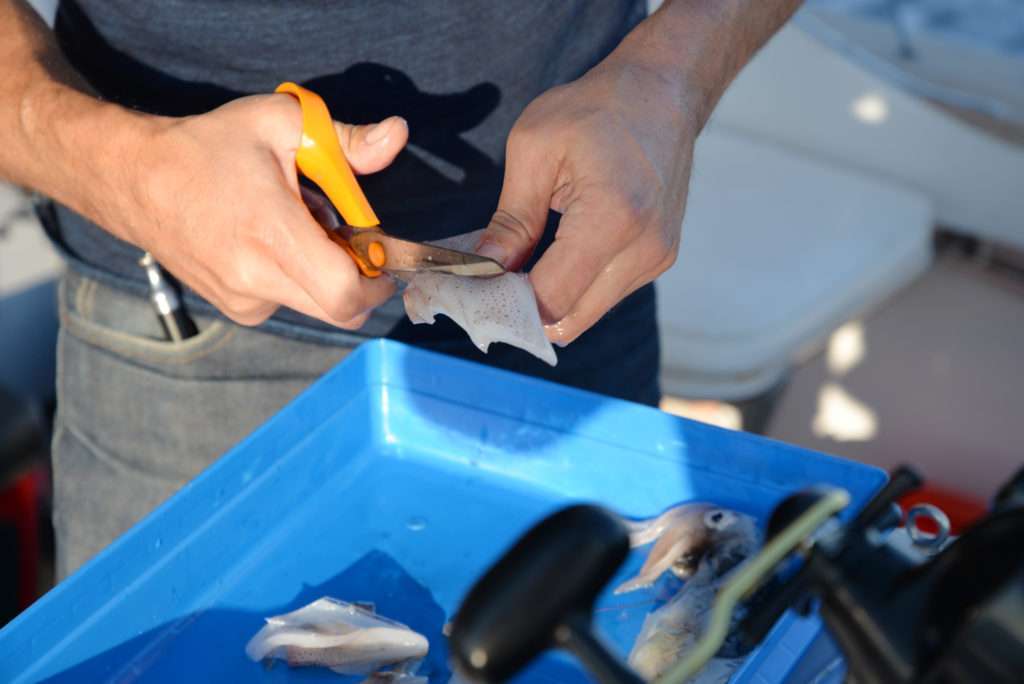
<point x="397" y="478"/>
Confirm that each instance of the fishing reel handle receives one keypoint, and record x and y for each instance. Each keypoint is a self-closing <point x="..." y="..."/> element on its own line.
<point x="957" y="615"/>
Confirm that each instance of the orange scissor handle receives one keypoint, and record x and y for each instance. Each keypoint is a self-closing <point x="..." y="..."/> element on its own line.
<point x="320" y="159"/>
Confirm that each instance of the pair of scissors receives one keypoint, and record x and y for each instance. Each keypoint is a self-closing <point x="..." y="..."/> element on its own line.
<point x="321" y="160"/>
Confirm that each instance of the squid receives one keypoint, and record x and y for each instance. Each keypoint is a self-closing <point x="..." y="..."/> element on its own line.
<point x="701" y="544"/>
<point x="498" y="309"/>
<point x="348" y="638"/>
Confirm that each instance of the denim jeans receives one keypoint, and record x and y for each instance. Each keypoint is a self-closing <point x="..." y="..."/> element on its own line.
<point x="138" y="416"/>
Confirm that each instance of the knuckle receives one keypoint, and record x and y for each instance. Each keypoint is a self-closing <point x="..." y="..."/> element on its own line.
<point x="340" y="305"/>
<point x="670" y="254"/>
<point x="355" y="323"/>
<point x="257" y="237"/>
<point x="346" y="135"/>
<point x="245" y="320"/>
<point x="556" y="298"/>
<point x="233" y="304"/>
<point x="667" y="262"/>
<point x="559" y="312"/>
<point x="278" y="117"/>
<point x="520" y="138"/>
<point x="529" y="127"/>
<point x="510" y="226"/>
<point x="243" y="277"/>
<point x="666" y="245"/>
<point x="555" y="307"/>
<point x="244" y="311"/>
<point x="382" y="295"/>
<point x="265" y="237"/>
<point x="659" y="254"/>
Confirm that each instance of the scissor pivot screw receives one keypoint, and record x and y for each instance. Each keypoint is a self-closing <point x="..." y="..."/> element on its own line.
<point x="375" y="251"/>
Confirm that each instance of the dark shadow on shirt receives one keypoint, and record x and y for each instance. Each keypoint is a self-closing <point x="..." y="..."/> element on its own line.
<point x="440" y="185"/>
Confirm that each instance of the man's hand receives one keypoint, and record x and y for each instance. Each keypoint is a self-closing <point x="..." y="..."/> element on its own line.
<point x="612" y="153"/>
<point x="215" y="199"/>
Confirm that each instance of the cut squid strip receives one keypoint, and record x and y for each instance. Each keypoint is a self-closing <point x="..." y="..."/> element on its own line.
<point x="344" y="637"/>
<point x="499" y="309"/>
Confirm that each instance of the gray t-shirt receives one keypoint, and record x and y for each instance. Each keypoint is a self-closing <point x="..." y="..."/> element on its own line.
<point x="460" y="72"/>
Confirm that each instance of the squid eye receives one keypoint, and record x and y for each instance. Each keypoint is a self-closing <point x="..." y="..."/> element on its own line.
<point x="717" y="519"/>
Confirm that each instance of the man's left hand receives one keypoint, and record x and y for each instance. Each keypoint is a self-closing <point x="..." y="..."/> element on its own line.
<point x="611" y="152"/>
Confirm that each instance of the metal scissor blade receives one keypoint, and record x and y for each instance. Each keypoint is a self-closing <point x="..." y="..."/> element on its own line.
<point x="406" y="256"/>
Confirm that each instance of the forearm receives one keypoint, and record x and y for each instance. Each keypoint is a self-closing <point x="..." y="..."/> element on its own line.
<point x="56" y="137"/>
<point x="699" y="46"/>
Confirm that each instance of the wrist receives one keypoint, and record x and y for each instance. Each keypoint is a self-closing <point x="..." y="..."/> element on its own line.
<point x="85" y="151"/>
<point x="681" y="57"/>
<point x="698" y="47"/>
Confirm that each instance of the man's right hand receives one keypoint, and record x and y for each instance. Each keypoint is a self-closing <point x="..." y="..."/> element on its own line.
<point x="215" y="199"/>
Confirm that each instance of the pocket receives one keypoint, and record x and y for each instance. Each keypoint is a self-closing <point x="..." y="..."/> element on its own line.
<point x="127" y="325"/>
<point x="169" y="408"/>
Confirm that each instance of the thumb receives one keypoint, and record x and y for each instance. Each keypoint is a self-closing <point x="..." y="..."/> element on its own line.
<point x="372" y="147"/>
<point x="522" y="212"/>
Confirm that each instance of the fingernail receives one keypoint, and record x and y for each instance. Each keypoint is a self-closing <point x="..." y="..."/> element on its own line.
<point x="492" y="250"/>
<point x="379" y="132"/>
<point x="556" y="334"/>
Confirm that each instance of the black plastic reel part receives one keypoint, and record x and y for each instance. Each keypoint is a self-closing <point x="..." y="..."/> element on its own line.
<point x="540" y="595"/>
<point x="957" y="617"/>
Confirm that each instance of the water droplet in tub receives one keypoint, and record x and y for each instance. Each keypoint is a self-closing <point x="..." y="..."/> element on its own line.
<point x="416" y="524"/>
<point x="158" y="543"/>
